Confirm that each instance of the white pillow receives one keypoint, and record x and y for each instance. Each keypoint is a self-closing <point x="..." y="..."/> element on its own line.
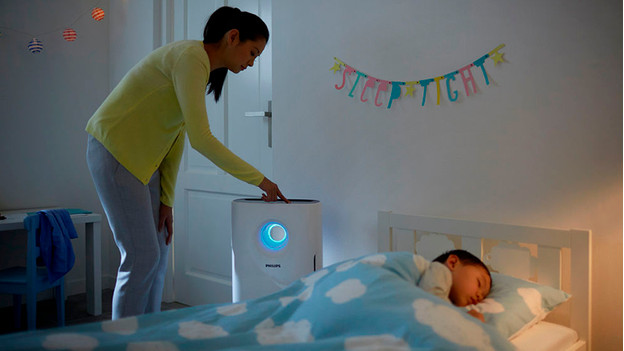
<point x="514" y="305"/>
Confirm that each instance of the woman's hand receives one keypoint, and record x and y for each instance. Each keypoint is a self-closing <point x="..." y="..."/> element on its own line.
<point x="271" y="190"/>
<point x="166" y="218"/>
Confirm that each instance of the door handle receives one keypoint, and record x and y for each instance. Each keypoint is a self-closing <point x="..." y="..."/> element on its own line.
<point x="268" y="114"/>
<point x="259" y="114"/>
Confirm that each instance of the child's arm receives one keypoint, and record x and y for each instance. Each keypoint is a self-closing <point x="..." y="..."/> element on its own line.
<point x="478" y="315"/>
<point x="436" y="280"/>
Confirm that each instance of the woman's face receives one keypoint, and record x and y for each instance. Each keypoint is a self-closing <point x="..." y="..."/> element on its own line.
<point x="244" y="53"/>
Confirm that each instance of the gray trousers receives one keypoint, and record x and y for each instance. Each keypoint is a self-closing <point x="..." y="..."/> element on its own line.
<point x="132" y="210"/>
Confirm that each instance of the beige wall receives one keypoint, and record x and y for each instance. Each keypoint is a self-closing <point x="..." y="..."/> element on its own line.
<point x="541" y="145"/>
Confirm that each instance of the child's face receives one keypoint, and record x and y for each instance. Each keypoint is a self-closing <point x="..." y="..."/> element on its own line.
<point x="471" y="283"/>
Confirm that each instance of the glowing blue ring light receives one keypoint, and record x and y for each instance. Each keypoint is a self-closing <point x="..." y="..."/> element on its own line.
<point x="274" y="236"/>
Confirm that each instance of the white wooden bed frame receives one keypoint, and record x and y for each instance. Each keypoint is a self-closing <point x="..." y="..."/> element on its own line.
<point x="554" y="257"/>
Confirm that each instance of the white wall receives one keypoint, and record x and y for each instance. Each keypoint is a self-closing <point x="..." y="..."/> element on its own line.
<point x="541" y="145"/>
<point x="45" y="102"/>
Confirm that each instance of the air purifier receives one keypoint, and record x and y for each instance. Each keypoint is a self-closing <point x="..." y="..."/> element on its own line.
<point x="273" y="244"/>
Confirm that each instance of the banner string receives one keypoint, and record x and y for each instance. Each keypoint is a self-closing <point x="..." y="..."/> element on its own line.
<point x="396" y="86"/>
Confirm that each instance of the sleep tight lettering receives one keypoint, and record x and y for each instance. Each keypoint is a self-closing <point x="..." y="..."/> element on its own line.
<point x="398" y="89"/>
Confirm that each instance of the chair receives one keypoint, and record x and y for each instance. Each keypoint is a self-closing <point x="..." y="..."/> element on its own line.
<point x="29" y="281"/>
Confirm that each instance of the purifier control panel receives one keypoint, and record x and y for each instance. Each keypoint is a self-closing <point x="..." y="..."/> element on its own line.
<point x="273" y="244"/>
<point x="274" y="236"/>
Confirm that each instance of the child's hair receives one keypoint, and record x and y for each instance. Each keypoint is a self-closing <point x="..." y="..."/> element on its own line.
<point x="250" y="27"/>
<point x="466" y="258"/>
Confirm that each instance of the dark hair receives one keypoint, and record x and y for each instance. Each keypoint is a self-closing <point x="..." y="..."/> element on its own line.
<point x="250" y="27"/>
<point x="466" y="258"/>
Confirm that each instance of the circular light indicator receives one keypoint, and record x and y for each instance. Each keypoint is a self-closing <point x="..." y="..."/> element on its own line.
<point x="274" y="236"/>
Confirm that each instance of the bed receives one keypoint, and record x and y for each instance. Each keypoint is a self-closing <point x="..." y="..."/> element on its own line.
<point x="364" y="303"/>
<point x="552" y="258"/>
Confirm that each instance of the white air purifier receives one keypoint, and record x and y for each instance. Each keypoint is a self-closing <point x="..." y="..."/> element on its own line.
<point x="273" y="244"/>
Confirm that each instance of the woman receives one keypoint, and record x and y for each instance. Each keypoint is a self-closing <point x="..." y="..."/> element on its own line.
<point x="136" y="139"/>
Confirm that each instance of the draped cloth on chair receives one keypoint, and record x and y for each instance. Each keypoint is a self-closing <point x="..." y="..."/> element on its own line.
<point x="56" y="230"/>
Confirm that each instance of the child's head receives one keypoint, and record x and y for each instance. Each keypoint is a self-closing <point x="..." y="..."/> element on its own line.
<point x="471" y="278"/>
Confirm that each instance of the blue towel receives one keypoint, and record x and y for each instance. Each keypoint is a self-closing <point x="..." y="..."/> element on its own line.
<point x="70" y="210"/>
<point x="56" y="230"/>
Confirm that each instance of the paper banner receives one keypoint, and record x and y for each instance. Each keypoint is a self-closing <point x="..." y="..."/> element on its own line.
<point x="424" y="83"/>
<point x="383" y="86"/>
<point x="370" y="83"/>
<point x="449" y="77"/>
<point x="467" y="79"/>
<point x="400" y="89"/>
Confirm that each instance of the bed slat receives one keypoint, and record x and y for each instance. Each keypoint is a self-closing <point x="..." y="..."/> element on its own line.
<point x="402" y="239"/>
<point x="563" y="256"/>
<point x="580" y="284"/>
<point x="473" y="245"/>
<point x="548" y="266"/>
<point x="542" y="236"/>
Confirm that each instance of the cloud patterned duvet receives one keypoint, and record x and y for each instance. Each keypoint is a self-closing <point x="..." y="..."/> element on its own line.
<point x="370" y="303"/>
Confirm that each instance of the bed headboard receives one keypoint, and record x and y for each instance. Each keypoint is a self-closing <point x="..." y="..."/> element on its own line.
<point x="554" y="257"/>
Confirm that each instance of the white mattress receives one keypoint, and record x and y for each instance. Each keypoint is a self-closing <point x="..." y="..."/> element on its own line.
<point x="545" y="336"/>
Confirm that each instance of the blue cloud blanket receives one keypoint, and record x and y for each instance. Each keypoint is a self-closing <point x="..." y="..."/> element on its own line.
<point x="370" y="303"/>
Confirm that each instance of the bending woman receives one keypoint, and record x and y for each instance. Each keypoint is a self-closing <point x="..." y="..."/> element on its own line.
<point x="136" y="139"/>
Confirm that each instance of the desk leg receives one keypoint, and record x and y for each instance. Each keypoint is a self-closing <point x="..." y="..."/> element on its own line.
<point x="93" y="248"/>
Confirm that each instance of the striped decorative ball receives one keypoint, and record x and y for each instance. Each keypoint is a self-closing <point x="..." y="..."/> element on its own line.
<point x="35" y="46"/>
<point x="69" y="34"/>
<point x="97" y="14"/>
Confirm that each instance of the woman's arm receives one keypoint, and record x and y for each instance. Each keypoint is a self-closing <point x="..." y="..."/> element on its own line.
<point x="169" y="170"/>
<point x="166" y="219"/>
<point x="189" y="77"/>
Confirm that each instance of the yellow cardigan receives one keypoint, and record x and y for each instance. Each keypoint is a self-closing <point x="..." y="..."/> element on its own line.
<point x="143" y="121"/>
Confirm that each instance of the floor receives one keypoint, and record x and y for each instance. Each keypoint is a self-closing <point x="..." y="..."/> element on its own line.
<point x="75" y="312"/>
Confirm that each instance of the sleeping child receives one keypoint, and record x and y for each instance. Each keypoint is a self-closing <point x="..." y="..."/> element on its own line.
<point x="459" y="277"/>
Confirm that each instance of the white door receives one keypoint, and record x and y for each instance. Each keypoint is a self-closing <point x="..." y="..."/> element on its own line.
<point x="202" y="235"/>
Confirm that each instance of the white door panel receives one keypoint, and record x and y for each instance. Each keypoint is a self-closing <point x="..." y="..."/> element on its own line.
<point x="206" y="259"/>
<point x="250" y="91"/>
<point x="202" y="239"/>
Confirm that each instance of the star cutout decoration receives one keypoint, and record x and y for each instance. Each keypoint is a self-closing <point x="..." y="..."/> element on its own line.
<point x="409" y="91"/>
<point x="335" y="68"/>
<point x="497" y="57"/>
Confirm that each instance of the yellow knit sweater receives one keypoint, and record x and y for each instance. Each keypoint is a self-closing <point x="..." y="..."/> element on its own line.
<point x="143" y="121"/>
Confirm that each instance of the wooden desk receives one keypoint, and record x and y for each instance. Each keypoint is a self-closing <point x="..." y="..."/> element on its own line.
<point x="93" y="247"/>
